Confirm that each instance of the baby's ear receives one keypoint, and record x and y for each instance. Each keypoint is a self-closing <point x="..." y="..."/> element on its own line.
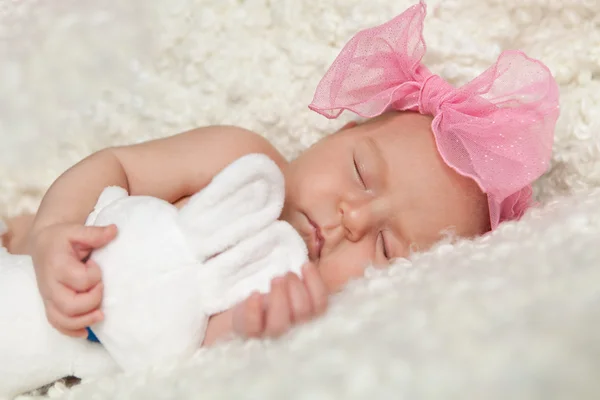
<point x="349" y="125"/>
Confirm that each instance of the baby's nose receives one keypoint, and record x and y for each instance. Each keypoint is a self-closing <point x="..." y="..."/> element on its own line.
<point x="357" y="219"/>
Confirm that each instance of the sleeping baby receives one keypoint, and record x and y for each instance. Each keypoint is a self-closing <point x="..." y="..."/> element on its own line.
<point x="427" y="159"/>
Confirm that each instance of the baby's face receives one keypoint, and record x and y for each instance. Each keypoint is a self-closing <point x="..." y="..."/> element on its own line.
<point x="371" y="192"/>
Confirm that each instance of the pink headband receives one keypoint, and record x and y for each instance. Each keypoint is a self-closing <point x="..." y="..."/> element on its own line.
<point x="497" y="129"/>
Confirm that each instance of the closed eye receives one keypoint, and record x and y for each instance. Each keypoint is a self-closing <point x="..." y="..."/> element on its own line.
<point x="358" y="173"/>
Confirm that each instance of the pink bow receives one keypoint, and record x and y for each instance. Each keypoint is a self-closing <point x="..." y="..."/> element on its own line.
<point x="498" y="129"/>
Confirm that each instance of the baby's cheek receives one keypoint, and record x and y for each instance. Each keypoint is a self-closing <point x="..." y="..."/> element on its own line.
<point x="336" y="273"/>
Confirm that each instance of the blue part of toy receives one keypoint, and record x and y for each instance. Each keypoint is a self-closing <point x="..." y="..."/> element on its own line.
<point x="91" y="337"/>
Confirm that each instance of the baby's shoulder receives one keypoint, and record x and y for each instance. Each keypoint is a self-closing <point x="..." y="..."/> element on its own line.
<point x="189" y="161"/>
<point x="237" y="142"/>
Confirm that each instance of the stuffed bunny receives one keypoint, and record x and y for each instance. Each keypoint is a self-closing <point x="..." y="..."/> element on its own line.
<point x="165" y="274"/>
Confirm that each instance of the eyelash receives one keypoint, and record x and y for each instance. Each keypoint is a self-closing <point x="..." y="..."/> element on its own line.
<point x="357" y="170"/>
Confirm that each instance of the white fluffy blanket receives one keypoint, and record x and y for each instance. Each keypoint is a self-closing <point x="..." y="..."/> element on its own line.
<point x="515" y="315"/>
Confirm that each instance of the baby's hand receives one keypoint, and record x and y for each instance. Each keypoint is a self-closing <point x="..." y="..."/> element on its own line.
<point x="291" y="301"/>
<point x="71" y="287"/>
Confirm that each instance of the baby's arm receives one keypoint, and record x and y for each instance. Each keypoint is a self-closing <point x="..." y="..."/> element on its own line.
<point x="172" y="168"/>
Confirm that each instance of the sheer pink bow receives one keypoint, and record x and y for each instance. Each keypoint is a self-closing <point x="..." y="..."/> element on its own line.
<point x="497" y="129"/>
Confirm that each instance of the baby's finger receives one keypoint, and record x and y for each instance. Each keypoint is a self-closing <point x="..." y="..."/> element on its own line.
<point x="248" y="317"/>
<point x="93" y="236"/>
<point x="316" y="288"/>
<point x="278" y="319"/>
<point x="70" y="326"/>
<point x="78" y="276"/>
<point x="94" y="272"/>
<point x="71" y="304"/>
<point x="86" y="302"/>
<point x="300" y="303"/>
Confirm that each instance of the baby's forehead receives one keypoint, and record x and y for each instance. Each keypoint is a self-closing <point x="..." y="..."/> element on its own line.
<point x="400" y="132"/>
<point x="417" y="173"/>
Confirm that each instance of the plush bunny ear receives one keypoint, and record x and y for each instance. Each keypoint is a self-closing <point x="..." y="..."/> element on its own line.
<point x="248" y="267"/>
<point x="109" y="195"/>
<point x="240" y="201"/>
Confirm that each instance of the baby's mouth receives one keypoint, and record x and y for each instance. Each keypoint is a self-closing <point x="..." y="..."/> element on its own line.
<point x="315" y="241"/>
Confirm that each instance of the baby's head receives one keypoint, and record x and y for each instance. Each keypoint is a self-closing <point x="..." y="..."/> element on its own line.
<point x="430" y="158"/>
<point x="375" y="191"/>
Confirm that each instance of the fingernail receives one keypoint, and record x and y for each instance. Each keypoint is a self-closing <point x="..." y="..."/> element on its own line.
<point x="277" y="281"/>
<point x="295" y="295"/>
<point x="288" y="275"/>
<point x="305" y="268"/>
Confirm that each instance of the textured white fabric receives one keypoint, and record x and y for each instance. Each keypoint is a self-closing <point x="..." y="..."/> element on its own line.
<point x="514" y="315"/>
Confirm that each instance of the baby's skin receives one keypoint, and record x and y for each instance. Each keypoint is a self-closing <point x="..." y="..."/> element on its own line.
<point x="365" y="195"/>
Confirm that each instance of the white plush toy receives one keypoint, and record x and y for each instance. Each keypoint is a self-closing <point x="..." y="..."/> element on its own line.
<point x="167" y="271"/>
